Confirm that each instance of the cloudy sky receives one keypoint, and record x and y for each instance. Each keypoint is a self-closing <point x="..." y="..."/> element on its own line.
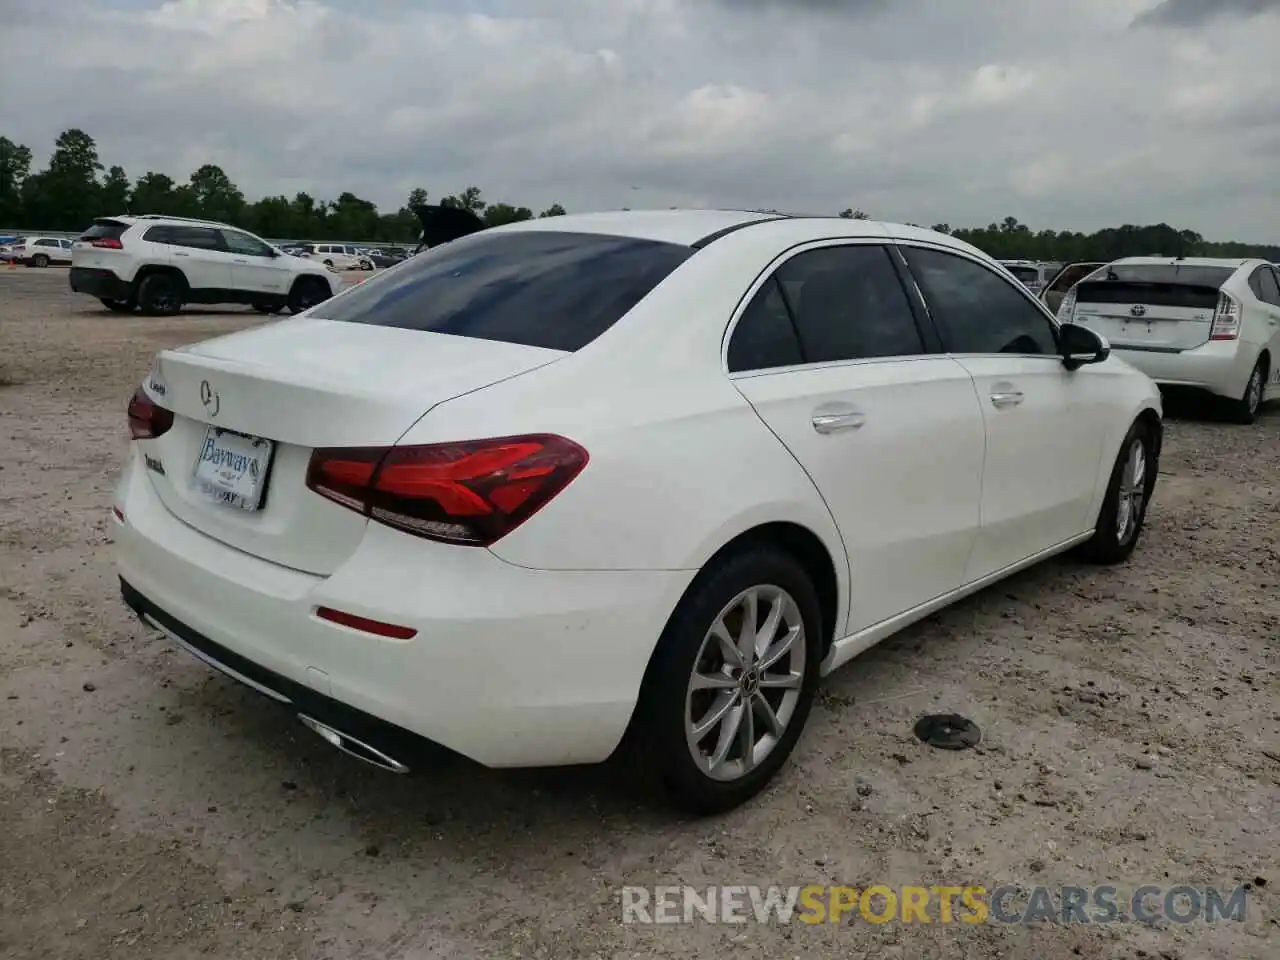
<point x="1065" y="115"/>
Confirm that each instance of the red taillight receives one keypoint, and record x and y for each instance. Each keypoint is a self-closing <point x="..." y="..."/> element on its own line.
<point x="147" y="420"/>
<point x="1226" y="319"/>
<point x="106" y="243"/>
<point x="473" y="492"/>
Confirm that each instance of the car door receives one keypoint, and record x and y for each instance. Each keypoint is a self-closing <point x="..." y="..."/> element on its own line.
<point x="64" y="253"/>
<point x="255" y="266"/>
<point x="1267" y="290"/>
<point x="1045" y="424"/>
<point x="838" y="364"/>
<point x="198" y="252"/>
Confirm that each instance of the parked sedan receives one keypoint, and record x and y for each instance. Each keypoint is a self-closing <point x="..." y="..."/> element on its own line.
<point x="397" y="516"/>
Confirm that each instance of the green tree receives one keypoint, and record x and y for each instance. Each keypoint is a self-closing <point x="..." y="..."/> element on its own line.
<point x="555" y="210"/>
<point x="216" y="197"/>
<point x="114" y="197"/>
<point x="851" y="214"/>
<point x="65" y="195"/>
<point x="15" y="165"/>
<point x="468" y="199"/>
<point x="499" y="213"/>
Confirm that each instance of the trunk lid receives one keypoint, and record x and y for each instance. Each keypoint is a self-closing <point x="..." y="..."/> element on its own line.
<point x="302" y="383"/>
<point x="1144" y="315"/>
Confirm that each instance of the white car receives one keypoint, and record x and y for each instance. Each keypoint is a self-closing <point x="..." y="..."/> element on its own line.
<point x="159" y="264"/>
<point x="1206" y="323"/>
<point x="39" y="251"/>
<point x="651" y="471"/>
<point x="337" y="255"/>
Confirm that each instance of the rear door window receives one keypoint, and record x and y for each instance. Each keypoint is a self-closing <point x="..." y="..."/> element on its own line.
<point x="849" y="304"/>
<point x="765" y="336"/>
<point x="199" y="238"/>
<point x="541" y="288"/>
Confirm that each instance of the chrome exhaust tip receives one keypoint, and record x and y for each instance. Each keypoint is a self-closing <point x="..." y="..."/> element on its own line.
<point x="349" y="744"/>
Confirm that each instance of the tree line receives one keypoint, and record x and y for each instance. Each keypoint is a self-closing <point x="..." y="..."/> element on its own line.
<point x="75" y="187"/>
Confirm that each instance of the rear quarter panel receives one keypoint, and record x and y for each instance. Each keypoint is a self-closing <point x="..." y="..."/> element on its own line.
<point x="675" y="472"/>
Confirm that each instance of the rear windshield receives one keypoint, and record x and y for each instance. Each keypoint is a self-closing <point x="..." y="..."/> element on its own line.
<point x="105" y="230"/>
<point x="539" y="288"/>
<point x="1166" y="273"/>
<point x="1155" y="284"/>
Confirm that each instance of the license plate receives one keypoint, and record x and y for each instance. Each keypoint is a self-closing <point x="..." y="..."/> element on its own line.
<point x="232" y="467"/>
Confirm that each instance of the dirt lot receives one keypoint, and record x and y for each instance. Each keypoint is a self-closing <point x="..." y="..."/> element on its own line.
<point x="151" y="808"/>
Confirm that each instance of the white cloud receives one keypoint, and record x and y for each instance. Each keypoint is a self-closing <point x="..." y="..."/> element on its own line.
<point x="911" y="110"/>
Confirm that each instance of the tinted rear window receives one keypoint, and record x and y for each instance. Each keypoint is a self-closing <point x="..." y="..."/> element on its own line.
<point x="1189" y="295"/>
<point x="1167" y="273"/>
<point x="540" y="288"/>
<point x="105" y="230"/>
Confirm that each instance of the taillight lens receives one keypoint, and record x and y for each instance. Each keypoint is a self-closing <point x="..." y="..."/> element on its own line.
<point x="1226" y="319"/>
<point x="106" y="243"/>
<point x="474" y="492"/>
<point x="147" y="419"/>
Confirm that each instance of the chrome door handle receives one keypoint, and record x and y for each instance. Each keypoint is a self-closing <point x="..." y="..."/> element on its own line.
<point x="835" y="422"/>
<point x="179" y="253"/>
<point x="1009" y="398"/>
<point x="239" y="261"/>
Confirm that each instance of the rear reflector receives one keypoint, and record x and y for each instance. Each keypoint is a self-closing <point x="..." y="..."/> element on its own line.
<point x="119" y="514"/>
<point x="473" y="492"/>
<point x="106" y="243"/>
<point x="147" y="419"/>
<point x="365" y="625"/>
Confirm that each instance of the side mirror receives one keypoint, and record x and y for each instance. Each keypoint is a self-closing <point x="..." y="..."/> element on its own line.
<point x="273" y="253"/>
<point x="1080" y="346"/>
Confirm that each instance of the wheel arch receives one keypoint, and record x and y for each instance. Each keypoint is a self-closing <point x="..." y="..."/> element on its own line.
<point x="154" y="269"/>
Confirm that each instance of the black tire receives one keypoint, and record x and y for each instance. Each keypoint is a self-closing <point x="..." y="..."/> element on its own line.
<point x="40" y="260"/>
<point x="657" y="736"/>
<point x="328" y="263"/>
<point x="118" y="306"/>
<point x="366" y="265"/>
<point x="307" y="292"/>
<point x="1108" y="545"/>
<point x="1246" y="409"/>
<point x="161" y="294"/>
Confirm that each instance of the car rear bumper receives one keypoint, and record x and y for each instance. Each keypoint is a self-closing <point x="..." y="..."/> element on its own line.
<point x="510" y="666"/>
<point x="98" y="283"/>
<point x="1219" y="367"/>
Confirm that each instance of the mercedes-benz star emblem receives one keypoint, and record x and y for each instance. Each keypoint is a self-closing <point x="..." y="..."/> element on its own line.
<point x="209" y="397"/>
<point x="1138" y="310"/>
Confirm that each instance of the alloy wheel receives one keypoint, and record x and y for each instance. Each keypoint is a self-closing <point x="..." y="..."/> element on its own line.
<point x="1132" y="492"/>
<point x="746" y="682"/>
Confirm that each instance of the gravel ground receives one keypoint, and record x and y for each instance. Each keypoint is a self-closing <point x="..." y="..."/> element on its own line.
<point x="151" y="808"/>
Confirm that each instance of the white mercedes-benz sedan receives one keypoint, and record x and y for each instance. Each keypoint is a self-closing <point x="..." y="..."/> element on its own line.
<point x="629" y="480"/>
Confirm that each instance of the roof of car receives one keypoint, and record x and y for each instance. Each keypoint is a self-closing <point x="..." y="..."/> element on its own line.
<point x="672" y="226"/>
<point x="699" y="227"/>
